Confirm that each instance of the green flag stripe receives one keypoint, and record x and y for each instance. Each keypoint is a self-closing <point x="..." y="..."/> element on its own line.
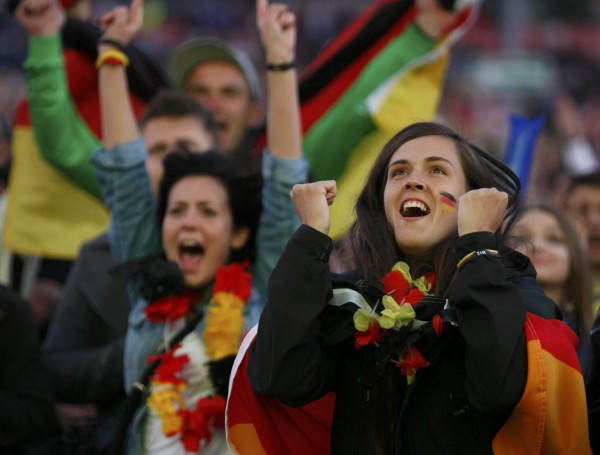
<point x="331" y="141"/>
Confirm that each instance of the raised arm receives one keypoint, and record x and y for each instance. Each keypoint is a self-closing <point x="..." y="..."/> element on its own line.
<point x="285" y="165"/>
<point x="287" y="360"/>
<point x="121" y="166"/>
<point x="119" y="125"/>
<point x="277" y="27"/>
<point x="63" y="137"/>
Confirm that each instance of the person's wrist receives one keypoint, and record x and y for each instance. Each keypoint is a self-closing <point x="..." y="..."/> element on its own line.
<point x="103" y="48"/>
<point x="280" y="67"/>
<point x="279" y="54"/>
<point x="112" y="57"/>
<point x="108" y="43"/>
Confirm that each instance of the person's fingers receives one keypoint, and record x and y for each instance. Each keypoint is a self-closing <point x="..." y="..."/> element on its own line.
<point x="262" y="7"/>
<point x="287" y="19"/>
<point x="107" y="19"/>
<point x="35" y="7"/>
<point x="137" y="11"/>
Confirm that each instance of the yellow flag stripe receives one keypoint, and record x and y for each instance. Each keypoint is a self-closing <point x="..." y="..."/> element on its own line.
<point x="47" y="215"/>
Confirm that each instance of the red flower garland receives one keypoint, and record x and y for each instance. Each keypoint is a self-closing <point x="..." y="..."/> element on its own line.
<point x="198" y="424"/>
<point x="395" y="285"/>
<point x="372" y="336"/>
<point x="170" y="366"/>
<point x="411" y="360"/>
<point x="195" y="426"/>
<point x="169" y="308"/>
<point x="399" y="285"/>
<point x="235" y="279"/>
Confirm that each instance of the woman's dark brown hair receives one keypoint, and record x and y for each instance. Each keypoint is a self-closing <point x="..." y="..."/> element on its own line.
<point x="373" y="242"/>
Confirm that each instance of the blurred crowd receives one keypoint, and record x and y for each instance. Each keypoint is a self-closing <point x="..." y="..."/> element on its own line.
<point x="534" y="58"/>
<point x="531" y="59"/>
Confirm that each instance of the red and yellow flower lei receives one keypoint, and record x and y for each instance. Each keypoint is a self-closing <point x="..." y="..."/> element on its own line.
<point x="222" y="335"/>
<point x="402" y="293"/>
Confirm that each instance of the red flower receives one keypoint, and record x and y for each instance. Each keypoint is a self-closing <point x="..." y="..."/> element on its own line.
<point x="214" y="409"/>
<point x="168" y="308"/>
<point x="413" y="297"/>
<point x="373" y="336"/>
<point x="197" y="423"/>
<point x="234" y="278"/>
<point x="395" y="285"/>
<point x="170" y="366"/>
<point x="439" y="326"/>
<point x="430" y="278"/>
<point x="411" y="360"/>
<point x="196" y="429"/>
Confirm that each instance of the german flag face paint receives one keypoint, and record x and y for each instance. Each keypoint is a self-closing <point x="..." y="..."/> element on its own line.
<point x="448" y="201"/>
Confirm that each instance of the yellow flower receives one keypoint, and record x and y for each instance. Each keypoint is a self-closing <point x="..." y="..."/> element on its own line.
<point x="394" y="315"/>
<point x="363" y="319"/>
<point x="422" y="285"/>
<point x="172" y="424"/>
<point x="224" y="325"/>
<point x="404" y="269"/>
<point x="165" y="402"/>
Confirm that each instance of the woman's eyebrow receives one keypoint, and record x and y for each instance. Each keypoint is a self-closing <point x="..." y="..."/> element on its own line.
<point x="428" y="159"/>
<point x="439" y="158"/>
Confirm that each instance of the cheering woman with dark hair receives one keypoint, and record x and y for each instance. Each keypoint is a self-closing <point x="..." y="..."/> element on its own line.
<point x="191" y="310"/>
<point x="430" y="345"/>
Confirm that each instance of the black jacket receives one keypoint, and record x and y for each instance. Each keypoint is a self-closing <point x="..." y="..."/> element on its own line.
<point x="477" y="372"/>
<point x="592" y="386"/>
<point x="83" y="349"/>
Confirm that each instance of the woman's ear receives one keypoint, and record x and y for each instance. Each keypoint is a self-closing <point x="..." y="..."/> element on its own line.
<point x="239" y="238"/>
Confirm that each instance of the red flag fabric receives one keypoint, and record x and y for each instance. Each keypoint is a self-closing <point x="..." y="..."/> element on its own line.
<point x="261" y="425"/>
<point x="546" y="421"/>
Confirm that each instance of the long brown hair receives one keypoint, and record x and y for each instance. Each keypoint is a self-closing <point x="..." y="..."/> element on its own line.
<point x="577" y="299"/>
<point x="373" y="242"/>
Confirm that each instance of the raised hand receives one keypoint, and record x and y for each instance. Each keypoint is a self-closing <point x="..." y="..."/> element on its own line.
<point x="312" y="201"/>
<point x="277" y="27"/>
<point x="122" y="23"/>
<point x="40" y="17"/>
<point x="481" y="210"/>
<point x="432" y="18"/>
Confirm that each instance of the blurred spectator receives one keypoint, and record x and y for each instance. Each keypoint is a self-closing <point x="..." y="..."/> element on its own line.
<point x="592" y="387"/>
<point x="549" y="239"/>
<point x="83" y="349"/>
<point x="224" y="80"/>
<point x="31" y="228"/>
<point x="54" y="190"/>
<point x="582" y="205"/>
<point x="28" y="423"/>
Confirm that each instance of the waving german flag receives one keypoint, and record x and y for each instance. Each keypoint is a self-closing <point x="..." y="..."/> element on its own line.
<point x="381" y="74"/>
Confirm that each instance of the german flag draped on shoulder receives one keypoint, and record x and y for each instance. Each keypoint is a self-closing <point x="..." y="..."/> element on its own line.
<point x="546" y="421"/>
<point x="380" y="74"/>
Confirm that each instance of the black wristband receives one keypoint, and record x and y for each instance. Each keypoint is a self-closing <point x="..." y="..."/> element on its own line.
<point x="280" y="66"/>
<point x="113" y="42"/>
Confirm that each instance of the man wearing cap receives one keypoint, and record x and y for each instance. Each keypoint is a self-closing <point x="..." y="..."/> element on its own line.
<point x="224" y="80"/>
